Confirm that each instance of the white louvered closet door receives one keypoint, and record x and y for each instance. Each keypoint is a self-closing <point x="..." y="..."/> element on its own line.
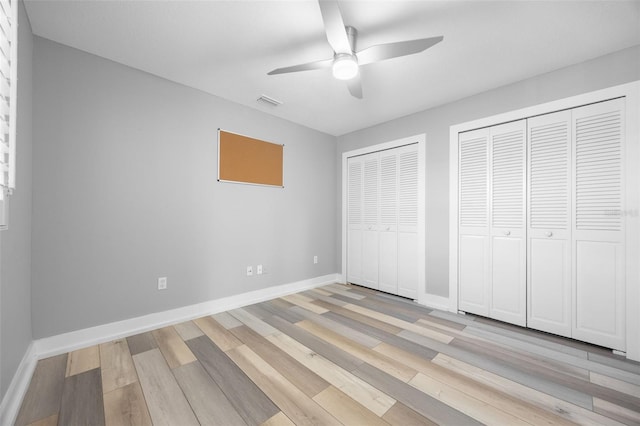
<point x="388" y="259"/>
<point x="408" y="221"/>
<point x="507" y="150"/>
<point x="354" y="220"/>
<point x="473" y="222"/>
<point x="549" y="223"/>
<point x="598" y="224"/>
<point x="370" y="234"/>
<point x="382" y="214"/>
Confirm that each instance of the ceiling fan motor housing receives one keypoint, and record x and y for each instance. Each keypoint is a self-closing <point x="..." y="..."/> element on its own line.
<point x="352" y="34"/>
<point x="345" y="66"/>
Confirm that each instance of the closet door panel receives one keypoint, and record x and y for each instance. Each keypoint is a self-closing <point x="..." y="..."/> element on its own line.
<point x="408" y="264"/>
<point x="354" y="256"/>
<point x="370" y="253"/>
<point x="408" y="221"/>
<point x="508" y="286"/>
<point x="388" y="263"/>
<point x="506" y="278"/>
<point x="473" y="280"/>
<point x="549" y="222"/>
<point x="354" y="221"/>
<point x="598" y="225"/>
<point x="388" y="266"/>
<point x="549" y="292"/>
<point x="507" y="148"/>
<point x="473" y="222"/>
<point x="597" y="304"/>
<point x="370" y="237"/>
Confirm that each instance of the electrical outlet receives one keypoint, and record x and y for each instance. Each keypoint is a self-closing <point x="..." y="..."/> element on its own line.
<point x="315" y="259"/>
<point x="249" y="271"/>
<point x="162" y="283"/>
<point x="259" y="270"/>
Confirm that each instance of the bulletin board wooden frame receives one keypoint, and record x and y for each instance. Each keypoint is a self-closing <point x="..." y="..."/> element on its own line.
<point x="242" y="159"/>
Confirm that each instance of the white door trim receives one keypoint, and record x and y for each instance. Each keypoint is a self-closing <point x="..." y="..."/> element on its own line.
<point x="422" y="185"/>
<point x="631" y="91"/>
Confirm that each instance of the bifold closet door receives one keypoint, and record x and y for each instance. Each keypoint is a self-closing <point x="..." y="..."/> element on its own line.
<point x="598" y="226"/>
<point x="508" y="258"/>
<point x="382" y="215"/>
<point x="407" y="260"/>
<point x="388" y="259"/>
<point x="354" y="220"/>
<point x="362" y="217"/>
<point x="370" y="231"/>
<point x="492" y="245"/>
<point x="541" y="223"/>
<point x="398" y="222"/>
<point x="549" y="223"/>
<point x="473" y="222"/>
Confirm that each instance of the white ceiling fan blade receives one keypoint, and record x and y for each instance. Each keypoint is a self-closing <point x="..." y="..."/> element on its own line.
<point x="380" y="52"/>
<point x="334" y="26"/>
<point x="355" y="87"/>
<point x="316" y="65"/>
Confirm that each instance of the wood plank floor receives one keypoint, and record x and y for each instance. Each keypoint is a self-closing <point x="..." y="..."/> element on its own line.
<point x="335" y="355"/>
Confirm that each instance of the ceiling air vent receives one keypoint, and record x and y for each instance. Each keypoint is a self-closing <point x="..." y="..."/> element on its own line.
<point x="269" y="101"/>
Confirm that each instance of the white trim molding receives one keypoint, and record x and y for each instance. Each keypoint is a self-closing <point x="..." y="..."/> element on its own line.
<point x="18" y="387"/>
<point x="421" y="140"/>
<point x="436" y="302"/>
<point x="62" y="343"/>
<point x="631" y="93"/>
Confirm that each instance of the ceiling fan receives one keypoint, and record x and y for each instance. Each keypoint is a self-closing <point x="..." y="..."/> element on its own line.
<point x="346" y="62"/>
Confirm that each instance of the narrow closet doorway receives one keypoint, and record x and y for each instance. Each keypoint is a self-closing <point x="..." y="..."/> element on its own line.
<point x="383" y="220"/>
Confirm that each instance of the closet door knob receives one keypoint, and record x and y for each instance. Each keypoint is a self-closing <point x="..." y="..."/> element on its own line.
<point x="388" y="228"/>
<point x="507" y="233"/>
<point x="549" y="233"/>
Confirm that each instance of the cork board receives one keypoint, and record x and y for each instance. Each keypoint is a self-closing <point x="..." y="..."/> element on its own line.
<point x="243" y="159"/>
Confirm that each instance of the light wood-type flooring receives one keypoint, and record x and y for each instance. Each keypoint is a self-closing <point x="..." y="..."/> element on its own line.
<point x="335" y="355"/>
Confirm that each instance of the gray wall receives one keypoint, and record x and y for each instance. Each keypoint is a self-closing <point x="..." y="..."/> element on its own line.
<point x="15" y="243"/>
<point x="125" y="192"/>
<point x="610" y="70"/>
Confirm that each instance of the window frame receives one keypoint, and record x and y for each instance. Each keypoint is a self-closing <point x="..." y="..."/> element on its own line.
<point x="9" y="9"/>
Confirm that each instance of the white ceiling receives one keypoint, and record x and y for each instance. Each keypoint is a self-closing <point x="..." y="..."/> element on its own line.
<point x="226" y="48"/>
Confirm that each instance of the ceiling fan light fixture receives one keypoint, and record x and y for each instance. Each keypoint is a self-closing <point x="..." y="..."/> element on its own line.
<point x="345" y="66"/>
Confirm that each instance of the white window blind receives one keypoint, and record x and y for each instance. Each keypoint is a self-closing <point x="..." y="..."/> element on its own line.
<point x="8" y="66"/>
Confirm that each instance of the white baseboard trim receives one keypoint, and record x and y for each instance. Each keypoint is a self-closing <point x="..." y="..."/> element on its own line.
<point x="18" y="387"/>
<point x="62" y="343"/>
<point x="67" y="342"/>
<point x="437" y="302"/>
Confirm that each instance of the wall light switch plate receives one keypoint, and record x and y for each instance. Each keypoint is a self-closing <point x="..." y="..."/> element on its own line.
<point x="315" y="259"/>
<point x="259" y="270"/>
<point x="162" y="283"/>
<point x="249" y="271"/>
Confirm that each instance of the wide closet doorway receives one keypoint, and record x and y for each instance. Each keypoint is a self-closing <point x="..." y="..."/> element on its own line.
<point x="383" y="217"/>
<point x="547" y="223"/>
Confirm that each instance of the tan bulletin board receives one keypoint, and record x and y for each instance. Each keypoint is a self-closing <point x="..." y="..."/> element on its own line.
<point x="247" y="160"/>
